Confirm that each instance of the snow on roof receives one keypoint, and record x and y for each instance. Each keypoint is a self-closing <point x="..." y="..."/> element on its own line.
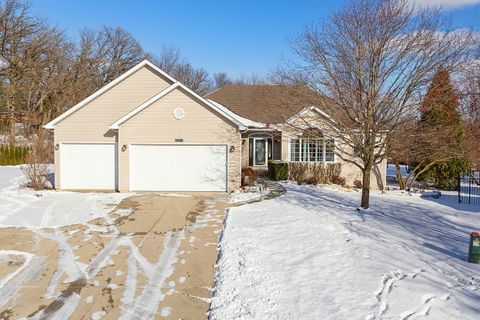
<point x="244" y="121"/>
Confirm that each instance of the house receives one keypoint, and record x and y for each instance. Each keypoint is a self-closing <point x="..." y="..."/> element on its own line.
<point x="146" y="131"/>
<point x="274" y="116"/>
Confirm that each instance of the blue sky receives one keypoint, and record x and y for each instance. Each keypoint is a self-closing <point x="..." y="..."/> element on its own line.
<point x="237" y="37"/>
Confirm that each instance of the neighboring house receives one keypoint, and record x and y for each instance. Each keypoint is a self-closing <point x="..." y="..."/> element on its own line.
<point x="145" y="131"/>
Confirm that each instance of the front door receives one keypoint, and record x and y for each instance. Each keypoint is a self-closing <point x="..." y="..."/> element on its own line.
<point x="260" y="151"/>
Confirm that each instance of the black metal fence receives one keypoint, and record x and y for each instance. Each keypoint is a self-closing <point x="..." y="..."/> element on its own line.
<point x="469" y="189"/>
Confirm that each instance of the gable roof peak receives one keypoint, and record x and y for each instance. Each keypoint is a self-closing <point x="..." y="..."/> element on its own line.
<point x="105" y="88"/>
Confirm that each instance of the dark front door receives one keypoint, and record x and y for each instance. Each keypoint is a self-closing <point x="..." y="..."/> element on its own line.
<point x="260" y="155"/>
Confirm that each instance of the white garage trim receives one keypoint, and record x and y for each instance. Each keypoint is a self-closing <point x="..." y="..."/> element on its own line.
<point x="88" y="165"/>
<point x="173" y="163"/>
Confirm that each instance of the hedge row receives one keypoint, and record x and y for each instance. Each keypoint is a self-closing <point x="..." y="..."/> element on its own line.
<point x="12" y="155"/>
<point x="311" y="173"/>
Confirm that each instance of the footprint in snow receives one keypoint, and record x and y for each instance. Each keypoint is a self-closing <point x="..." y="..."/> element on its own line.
<point x="422" y="310"/>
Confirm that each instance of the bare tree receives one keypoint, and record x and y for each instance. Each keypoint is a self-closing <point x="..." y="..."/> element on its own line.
<point x="98" y="58"/>
<point x="251" y="79"/>
<point x="470" y="99"/>
<point x="121" y="51"/>
<point x="373" y="59"/>
<point x="221" y="79"/>
<point x="21" y="35"/>
<point x="171" y="61"/>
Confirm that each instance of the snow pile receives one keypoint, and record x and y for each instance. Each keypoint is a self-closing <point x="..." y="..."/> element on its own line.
<point x="248" y="194"/>
<point x="311" y="254"/>
<point x="22" y="207"/>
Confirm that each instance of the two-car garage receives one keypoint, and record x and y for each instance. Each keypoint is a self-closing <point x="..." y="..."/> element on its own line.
<point x="151" y="167"/>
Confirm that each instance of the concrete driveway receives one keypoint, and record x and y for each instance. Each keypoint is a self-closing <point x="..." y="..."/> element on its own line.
<point x="153" y="257"/>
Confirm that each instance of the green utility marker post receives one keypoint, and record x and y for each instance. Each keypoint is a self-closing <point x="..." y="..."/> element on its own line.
<point x="474" y="248"/>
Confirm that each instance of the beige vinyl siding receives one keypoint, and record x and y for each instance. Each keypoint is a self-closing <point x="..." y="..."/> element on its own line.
<point x="200" y="125"/>
<point x="245" y="150"/>
<point x="90" y="123"/>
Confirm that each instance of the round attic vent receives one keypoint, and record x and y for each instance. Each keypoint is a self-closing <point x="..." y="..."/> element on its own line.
<point x="178" y="113"/>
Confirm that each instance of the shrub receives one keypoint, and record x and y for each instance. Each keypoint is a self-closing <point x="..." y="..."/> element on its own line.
<point x="314" y="173"/>
<point x="35" y="169"/>
<point x="249" y="176"/>
<point x="297" y="171"/>
<point x="341" y="181"/>
<point x="358" y="184"/>
<point x="277" y="170"/>
<point x="333" y="170"/>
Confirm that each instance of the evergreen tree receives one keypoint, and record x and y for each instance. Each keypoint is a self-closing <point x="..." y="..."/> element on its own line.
<point x="2" y="155"/>
<point x="441" y="121"/>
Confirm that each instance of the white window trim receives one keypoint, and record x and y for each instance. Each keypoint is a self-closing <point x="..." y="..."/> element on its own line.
<point x="259" y="136"/>
<point x="324" y="150"/>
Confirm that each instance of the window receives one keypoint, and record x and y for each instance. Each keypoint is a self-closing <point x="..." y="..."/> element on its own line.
<point x="329" y="150"/>
<point x="295" y="150"/>
<point x="312" y="150"/>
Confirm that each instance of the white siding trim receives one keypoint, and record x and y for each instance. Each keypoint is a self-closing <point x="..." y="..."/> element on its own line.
<point x="144" y="105"/>
<point x="51" y="124"/>
<point x="116" y="125"/>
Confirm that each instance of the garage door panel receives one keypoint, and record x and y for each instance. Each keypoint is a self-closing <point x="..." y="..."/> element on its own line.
<point x="178" y="168"/>
<point x="88" y="166"/>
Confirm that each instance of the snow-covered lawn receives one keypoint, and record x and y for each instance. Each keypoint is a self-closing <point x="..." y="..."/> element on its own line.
<point x="311" y="254"/>
<point x="24" y="207"/>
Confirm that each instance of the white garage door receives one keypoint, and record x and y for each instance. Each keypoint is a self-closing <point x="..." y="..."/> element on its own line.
<point x="88" y="166"/>
<point x="178" y="167"/>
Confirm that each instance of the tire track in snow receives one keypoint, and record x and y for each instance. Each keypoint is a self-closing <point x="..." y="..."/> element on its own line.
<point x="66" y="262"/>
<point x="26" y="255"/>
<point x="147" y="303"/>
<point x="64" y="312"/>
<point x="66" y="304"/>
<point x="30" y="270"/>
<point x="130" y="281"/>
<point x="99" y="261"/>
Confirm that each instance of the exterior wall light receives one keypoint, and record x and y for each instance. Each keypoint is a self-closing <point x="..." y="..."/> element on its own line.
<point x="124" y="147"/>
<point x="57" y="146"/>
<point x="232" y="149"/>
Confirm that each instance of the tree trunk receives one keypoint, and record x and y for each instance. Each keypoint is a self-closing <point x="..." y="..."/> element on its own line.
<point x="366" y="188"/>
<point x="11" y="133"/>
<point x="401" y="182"/>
